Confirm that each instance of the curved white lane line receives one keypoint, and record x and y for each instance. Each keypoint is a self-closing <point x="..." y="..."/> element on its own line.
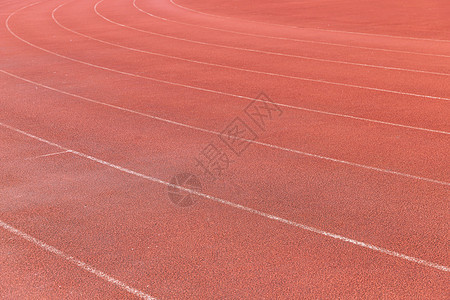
<point x="291" y="39"/>
<point x="264" y="52"/>
<point x="230" y="204"/>
<point x="65" y="256"/>
<point x="312" y="28"/>
<point x="218" y="133"/>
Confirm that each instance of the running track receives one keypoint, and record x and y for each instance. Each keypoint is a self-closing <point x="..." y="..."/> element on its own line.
<point x="345" y="195"/>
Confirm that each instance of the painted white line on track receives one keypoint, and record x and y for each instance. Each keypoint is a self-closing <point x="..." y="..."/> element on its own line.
<point x="243" y="208"/>
<point x="72" y="259"/>
<point x="244" y="49"/>
<point x="316" y="111"/>
<point x="296" y="40"/>
<point x="312" y="28"/>
<point x="46" y="155"/>
<point x="316" y="156"/>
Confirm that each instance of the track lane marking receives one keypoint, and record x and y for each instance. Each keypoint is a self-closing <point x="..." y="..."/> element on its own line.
<point x="250" y="141"/>
<point x="74" y="260"/>
<point x="46" y="155"/>
<point x="296" y="40"/>
<point x="312" y="28"/>
<point x="238" y="206"/>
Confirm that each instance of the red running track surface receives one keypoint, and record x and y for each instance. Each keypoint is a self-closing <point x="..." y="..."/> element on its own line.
<point x="343" y="192"/>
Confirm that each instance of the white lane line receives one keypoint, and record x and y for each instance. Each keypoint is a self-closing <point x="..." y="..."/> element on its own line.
<point x="74" y="260"/>
<point x="46" y="155"/>
<point x="302" y="109"/>
<point x="311" y="28"/>
<point x="244" y="208"/>
<point x="242" y="49"/>
<point x="199" y="88"/>
<point x="250" y="141"/>
<point x="295" y="40"/>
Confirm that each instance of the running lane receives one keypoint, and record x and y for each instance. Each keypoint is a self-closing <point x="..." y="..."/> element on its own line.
<point x="359" y="17"/>
<point x="174" y="13"/>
